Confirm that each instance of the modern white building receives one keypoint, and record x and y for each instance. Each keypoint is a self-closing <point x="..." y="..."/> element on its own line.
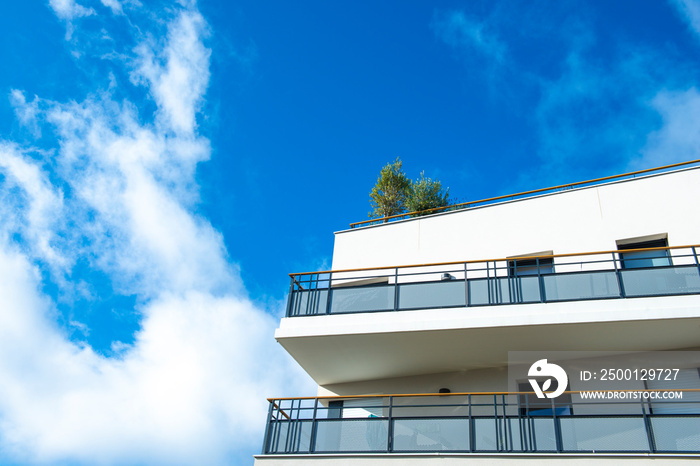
<point x="410" y="335"/>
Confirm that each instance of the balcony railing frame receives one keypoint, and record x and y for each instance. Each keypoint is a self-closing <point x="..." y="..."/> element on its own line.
<point x="287" y="427"/>
<point x="312" y="293"/>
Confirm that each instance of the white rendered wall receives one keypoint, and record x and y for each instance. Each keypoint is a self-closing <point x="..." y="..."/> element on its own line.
<point x="586" y="219"/>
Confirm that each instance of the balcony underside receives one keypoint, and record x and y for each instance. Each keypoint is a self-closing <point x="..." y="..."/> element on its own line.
<point x="354" y="347"/>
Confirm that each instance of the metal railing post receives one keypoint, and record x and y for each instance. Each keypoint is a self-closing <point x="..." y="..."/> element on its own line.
<point x="695" y="256"/>
<point x="499" y="442"/>
<point x="649" y="428"/>
<point x="314" y="425"/>
<point x="472" y="434"/>
<point x="488" y="282"/>
<point x="618" y="273"/>
<point x="390" y="427"/>
<point x="540" y="282"/>
<point x="466" y="287"/>
<point x="266" y="439"/>
<point x="328" y="299"/>
<point x="396" y="289"/>
<point x="290" y="299"/>
<point x="557" y="428"/>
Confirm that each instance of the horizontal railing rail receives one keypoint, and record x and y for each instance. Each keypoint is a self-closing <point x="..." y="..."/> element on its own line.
<point x="521" y="195"/>
<point x="500" y="422"/>
<point x="624" y="273"/>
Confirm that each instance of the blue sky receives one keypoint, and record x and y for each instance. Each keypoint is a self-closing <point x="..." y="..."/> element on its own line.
<point x="164" y="165"/>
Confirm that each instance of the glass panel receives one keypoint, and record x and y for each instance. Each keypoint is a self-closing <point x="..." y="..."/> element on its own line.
<point x="543" y="438"/>
<point x="308" y="302"/>
<point x="289" y="437"/>
<point x="351" y="435"/>
<point x="604" y="434"/>
<point x="525" y="289"/>
<point x="485" y="435"/>
<point x="676" y="434"/>
<point x="478" y="292"/>
<point x="431" y="294"/>
<point x="364" y="298"/>
<point x="277" y="437"/>
<point x="661" y="281"/>
<point x="584" y="285"/>
<point x="431" y="434"/>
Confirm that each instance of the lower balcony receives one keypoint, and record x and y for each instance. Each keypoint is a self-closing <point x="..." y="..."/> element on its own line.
<point x="473" y="424"/>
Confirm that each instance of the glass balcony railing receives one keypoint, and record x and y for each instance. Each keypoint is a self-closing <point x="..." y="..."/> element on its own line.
<point x="543" y="279"/>
<point x="481" y="423"/>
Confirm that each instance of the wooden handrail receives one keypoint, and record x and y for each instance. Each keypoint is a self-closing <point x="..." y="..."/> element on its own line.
<point x="524" y="193"/>
<point x="406" y="395"/>
<point x="519" y="258"/>
<point x="276" y="406"/>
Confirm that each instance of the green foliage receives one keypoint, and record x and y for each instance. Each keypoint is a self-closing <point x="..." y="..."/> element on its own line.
<point x="390" y="195"/>
<point x="426" y="194"/>
<point x="395" y="194"/>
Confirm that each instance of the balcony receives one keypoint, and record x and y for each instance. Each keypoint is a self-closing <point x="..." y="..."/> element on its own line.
<point x="635" y="273"/>
<point x="494" y="423"/>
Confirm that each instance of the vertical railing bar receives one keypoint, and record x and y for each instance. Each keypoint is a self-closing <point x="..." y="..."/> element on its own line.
<point x="488" y="282"/>
<point x="293" y="425"/>
<point x="314" y="426"/>
<point x="472" y="434"/>
<point x="396" y="289"/>
<point x="499" y="288"/>
<point x="266" y="439"/>
<point x="649" y="427"/>
<point x="390" y="426"/>
<point x="289" y="426"/>
<point x="466" y="286"/>
<point x="510" y="287"/>
<point x="507" y="429"/>
<point x="291" y="297"/>
<point x="695" y="256"/>
<point x="557" y="428"/>
<point x="618" y="273"/>
<point x="328" y="298"/>
<point x="313" y="297"/>
<point x="531" y="424"/>
<point x="495" y="419"/>
<point x="518" y="282"/>
<point x="540" y="282"/>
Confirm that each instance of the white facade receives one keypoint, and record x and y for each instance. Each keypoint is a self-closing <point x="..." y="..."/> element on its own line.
<point x="464" y="348"/>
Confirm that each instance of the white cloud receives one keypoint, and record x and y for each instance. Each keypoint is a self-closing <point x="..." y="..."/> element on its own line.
<point x="179" y="74"/>
<point x="37" y="207"/>
<point x="113" y="5"/>
<point x="26" y="112"/>
<point x="678" y="138"/>
<point x="190" y="388"/>
<point x="69" y="9"/>
<point x="690" y="10"/>
<point x="459" y="30"/>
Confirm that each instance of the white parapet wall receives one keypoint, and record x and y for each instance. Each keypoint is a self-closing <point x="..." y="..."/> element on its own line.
<point x="578" y="220"/>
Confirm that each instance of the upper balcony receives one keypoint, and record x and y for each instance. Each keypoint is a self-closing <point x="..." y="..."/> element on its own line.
<point x="367" y="324"/>
<point x="630" y="273"/>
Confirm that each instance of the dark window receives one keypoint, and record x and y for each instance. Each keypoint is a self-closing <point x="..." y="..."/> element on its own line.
<point x="335" y="409"/>
<point x="530" y="404"/>
<point x="520" y="267"/>
<point x="642" y="259"/>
